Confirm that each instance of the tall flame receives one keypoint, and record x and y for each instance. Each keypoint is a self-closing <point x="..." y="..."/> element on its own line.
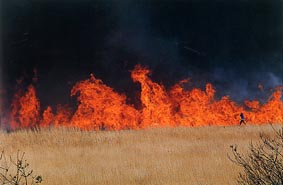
<point x="157" y="105"/>
<point x="25" y="109"/>
<point x="100" y="107"/>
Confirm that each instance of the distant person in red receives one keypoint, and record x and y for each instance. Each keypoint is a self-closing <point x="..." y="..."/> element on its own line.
<point x="242" y="118"/>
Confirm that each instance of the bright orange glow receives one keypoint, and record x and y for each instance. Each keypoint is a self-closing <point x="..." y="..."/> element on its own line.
<point x="47" y="117"/>
<point x="25" y="109"/>
<point x="157" y="106"/>
<point x="100" y="107"/>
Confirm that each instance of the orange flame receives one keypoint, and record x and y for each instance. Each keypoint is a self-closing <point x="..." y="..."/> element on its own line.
<point x="25" y="109"/>
<point x="100" y="107"/>
<point x="47" y="117"/>
<point x="157" y="106"/>
<point x="61" y="118"/>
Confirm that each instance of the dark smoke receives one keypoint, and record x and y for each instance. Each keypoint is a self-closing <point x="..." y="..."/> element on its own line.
<point x="235" y="45"/>
<point x="1" y="65"/>
<point x="137" y="37"/>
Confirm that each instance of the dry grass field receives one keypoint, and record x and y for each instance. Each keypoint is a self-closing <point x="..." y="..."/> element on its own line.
<point x="196" y="156"/>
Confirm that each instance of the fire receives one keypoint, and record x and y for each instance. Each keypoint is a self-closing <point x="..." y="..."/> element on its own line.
<point x="100" y="107"/>
<point x="47" y="117"/>
<point x="157" y="105"/>
<point x="25" y="109"/>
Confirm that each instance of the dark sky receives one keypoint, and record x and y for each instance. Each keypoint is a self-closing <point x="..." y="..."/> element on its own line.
<point x="233" y="44"/>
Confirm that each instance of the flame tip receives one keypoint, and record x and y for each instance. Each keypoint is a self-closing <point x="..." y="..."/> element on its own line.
<point x="100" y="107"/>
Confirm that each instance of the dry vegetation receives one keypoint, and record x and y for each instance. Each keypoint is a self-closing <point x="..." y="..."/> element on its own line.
<point x="195" y="156"/>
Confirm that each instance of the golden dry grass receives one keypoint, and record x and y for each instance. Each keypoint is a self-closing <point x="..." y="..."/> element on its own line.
<point x="196" y="156"/>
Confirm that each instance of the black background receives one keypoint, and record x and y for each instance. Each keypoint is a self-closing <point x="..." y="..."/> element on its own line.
<point x="233" y="44"/>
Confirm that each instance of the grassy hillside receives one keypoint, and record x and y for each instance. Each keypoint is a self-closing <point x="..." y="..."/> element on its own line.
<point x="153" y="156"/>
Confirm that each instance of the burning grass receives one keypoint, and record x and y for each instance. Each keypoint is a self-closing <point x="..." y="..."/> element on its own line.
<point x="151" y="156"/>
<point x="101" y="107"/>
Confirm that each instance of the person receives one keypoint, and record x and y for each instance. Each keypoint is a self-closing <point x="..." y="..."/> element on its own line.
<point x="242" y="118"/>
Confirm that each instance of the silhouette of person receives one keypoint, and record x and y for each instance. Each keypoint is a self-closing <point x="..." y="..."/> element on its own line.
<point x="242" y="118"/>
